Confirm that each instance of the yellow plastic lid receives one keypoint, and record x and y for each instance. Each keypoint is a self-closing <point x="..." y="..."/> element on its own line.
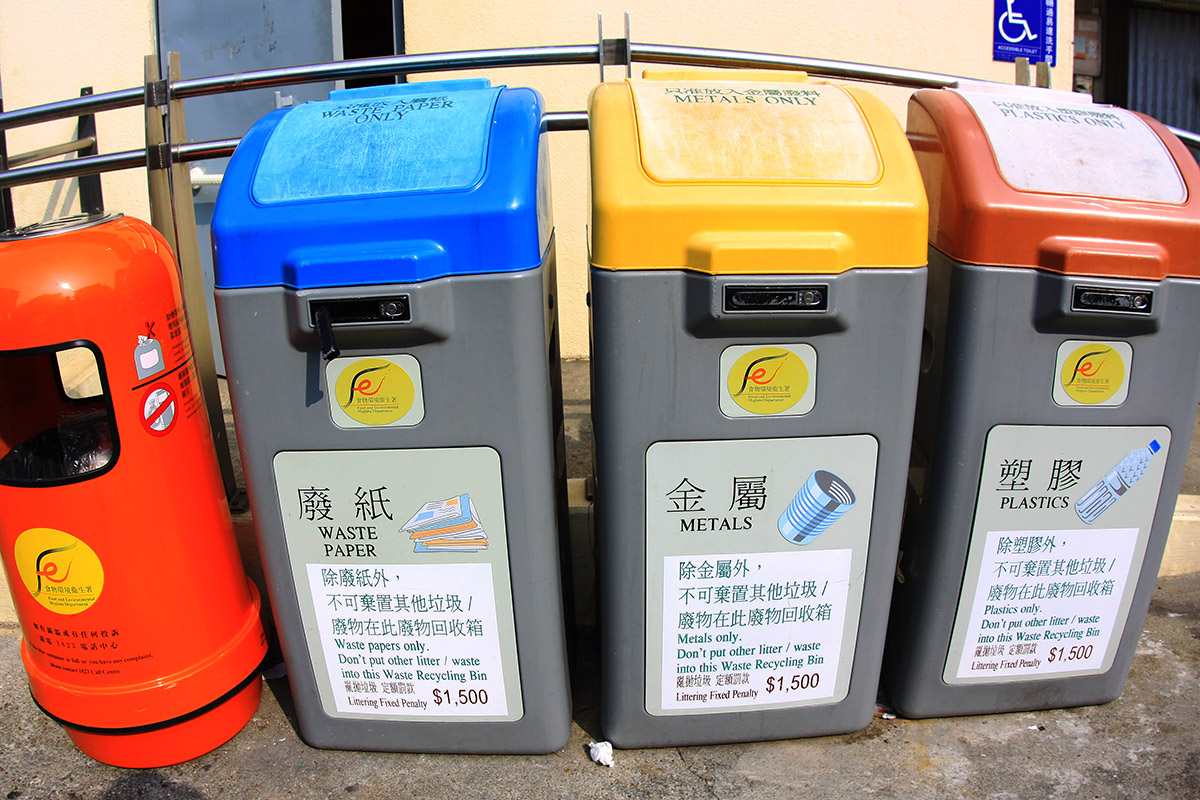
<point x="750" y="172"/>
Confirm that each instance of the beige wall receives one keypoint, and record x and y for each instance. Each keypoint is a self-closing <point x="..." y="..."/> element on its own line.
<point x="48" y="51"/>
<point x="949" y="36"/>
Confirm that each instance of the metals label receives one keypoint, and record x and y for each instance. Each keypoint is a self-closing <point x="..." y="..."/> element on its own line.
<point x="401" y="569"/>
<point x="755" y="552"/>
<point x="1062" y="521"/>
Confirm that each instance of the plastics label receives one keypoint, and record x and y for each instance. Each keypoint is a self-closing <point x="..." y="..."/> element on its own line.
<point x="400" y="563"/>
<point x="1062" y="522"/>
<point x="755" y="552"/>
<point x="1061" y="145"/>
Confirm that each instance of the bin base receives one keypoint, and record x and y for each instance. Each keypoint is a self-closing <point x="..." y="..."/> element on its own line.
<point x="172" y="742"/>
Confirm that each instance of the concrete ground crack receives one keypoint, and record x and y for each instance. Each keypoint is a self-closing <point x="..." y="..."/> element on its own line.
<point x="709" y="783"/>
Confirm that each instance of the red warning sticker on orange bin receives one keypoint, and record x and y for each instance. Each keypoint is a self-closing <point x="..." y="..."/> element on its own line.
<point x="158" y="409"/>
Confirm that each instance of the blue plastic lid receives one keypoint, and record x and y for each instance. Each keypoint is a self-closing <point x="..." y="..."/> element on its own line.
<point x="403" y="139"/>
<point x="391" y="184"/>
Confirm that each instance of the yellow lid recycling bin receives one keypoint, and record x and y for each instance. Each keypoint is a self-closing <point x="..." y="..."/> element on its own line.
<point x="757" y="284"/>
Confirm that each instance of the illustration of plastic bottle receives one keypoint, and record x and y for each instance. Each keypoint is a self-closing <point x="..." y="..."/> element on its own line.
<point x="1100" y="497"/>
<point x="820" y="502"/>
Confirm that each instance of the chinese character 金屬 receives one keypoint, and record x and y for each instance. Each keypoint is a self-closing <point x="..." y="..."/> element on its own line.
<point x="749" y="493"/>
<point x="686" y="496"/>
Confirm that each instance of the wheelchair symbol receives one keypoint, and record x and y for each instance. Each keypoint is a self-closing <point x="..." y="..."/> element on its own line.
<point x="1014" y="19"/>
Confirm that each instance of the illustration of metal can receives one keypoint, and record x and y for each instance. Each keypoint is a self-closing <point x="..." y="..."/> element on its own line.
<point x="822" y="500"/>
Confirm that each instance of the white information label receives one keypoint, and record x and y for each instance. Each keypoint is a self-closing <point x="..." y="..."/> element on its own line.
<point x="753" y="629"/>
<point x="1048" y="601"/>
<point x="1062" y="522"/>
<point x="400" y="564"/>
<point x="402" y="639"/>
<point x="755" y="556"/>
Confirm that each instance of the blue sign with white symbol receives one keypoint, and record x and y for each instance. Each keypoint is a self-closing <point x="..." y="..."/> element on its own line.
<point x="1024" y="28"/>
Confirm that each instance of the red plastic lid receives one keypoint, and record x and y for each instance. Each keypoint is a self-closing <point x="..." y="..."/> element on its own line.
<point x="1034" y="178"/>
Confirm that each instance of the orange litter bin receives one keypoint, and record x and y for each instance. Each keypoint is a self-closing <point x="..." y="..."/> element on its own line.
<point x="141" y="632"/>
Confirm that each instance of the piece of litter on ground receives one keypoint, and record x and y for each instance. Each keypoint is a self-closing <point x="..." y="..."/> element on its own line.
<point x="601" y="753"/>
<point x="887" y="715"/>
<point x="1037" y="727"/>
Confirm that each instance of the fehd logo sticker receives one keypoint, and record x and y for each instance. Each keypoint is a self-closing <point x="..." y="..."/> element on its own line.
<point x="372" y="392"/>
<point x="1092" y="373"/>
<point x="770" y="380"/>
<point x="59" y="570"/>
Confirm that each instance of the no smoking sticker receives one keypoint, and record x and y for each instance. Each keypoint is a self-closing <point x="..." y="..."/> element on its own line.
<point x="158" y="409"/>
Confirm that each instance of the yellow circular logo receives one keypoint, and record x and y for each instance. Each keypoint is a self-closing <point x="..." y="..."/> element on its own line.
<point x="374" y="391"/>
<point x="1093" y="373"/>
<point x="768" y="380"/>
<point x="60" y="571"/>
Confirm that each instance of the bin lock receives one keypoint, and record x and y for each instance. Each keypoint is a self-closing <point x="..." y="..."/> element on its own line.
<point x="355" y="311"/>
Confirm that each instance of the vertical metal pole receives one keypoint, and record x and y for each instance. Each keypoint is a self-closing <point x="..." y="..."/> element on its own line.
<point x="1022" y="67"/>
<point x="194" y="295"/>
<point x="7" y="219"/>
<point x="1043" y="74"/>
<point x="91" y="193"/>
<point x="158" y="156"/>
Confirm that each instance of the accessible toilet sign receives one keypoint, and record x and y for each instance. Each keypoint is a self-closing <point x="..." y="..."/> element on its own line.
<point x="1024" y="29"/>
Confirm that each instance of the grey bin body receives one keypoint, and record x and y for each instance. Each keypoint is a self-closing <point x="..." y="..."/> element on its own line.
<point x="657" y="337"/>
<point x="757" y="281"/>
<point x="1056" y="404"/>
<point x="988" y="324"/>
<point x="495" y="328"/>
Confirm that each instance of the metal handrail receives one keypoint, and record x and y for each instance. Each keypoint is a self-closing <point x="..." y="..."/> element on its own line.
<point x="76" y="106"/>
<point x="431" y="62"/>
<point x="1192" y="140"/>
<point x="555" y="55"/>
<point x="42" y="153"/>
<point x="709" y="57"/>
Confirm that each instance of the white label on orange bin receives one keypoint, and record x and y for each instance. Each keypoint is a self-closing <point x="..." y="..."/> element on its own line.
<point x="1064" y="147"/>
<point x="736" y="130"/>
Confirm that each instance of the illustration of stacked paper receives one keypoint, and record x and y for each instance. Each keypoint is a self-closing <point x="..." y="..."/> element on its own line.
<point x="450" y="525"/>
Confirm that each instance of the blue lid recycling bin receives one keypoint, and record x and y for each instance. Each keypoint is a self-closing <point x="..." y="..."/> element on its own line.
<point x="384" y="283"/>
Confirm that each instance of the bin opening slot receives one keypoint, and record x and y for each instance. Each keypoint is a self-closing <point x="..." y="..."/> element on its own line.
<point x="809" y="297"/>
<point x="362" y="310"/>
<point x="56" y="417"/>
<point x="1121" y="301"/>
